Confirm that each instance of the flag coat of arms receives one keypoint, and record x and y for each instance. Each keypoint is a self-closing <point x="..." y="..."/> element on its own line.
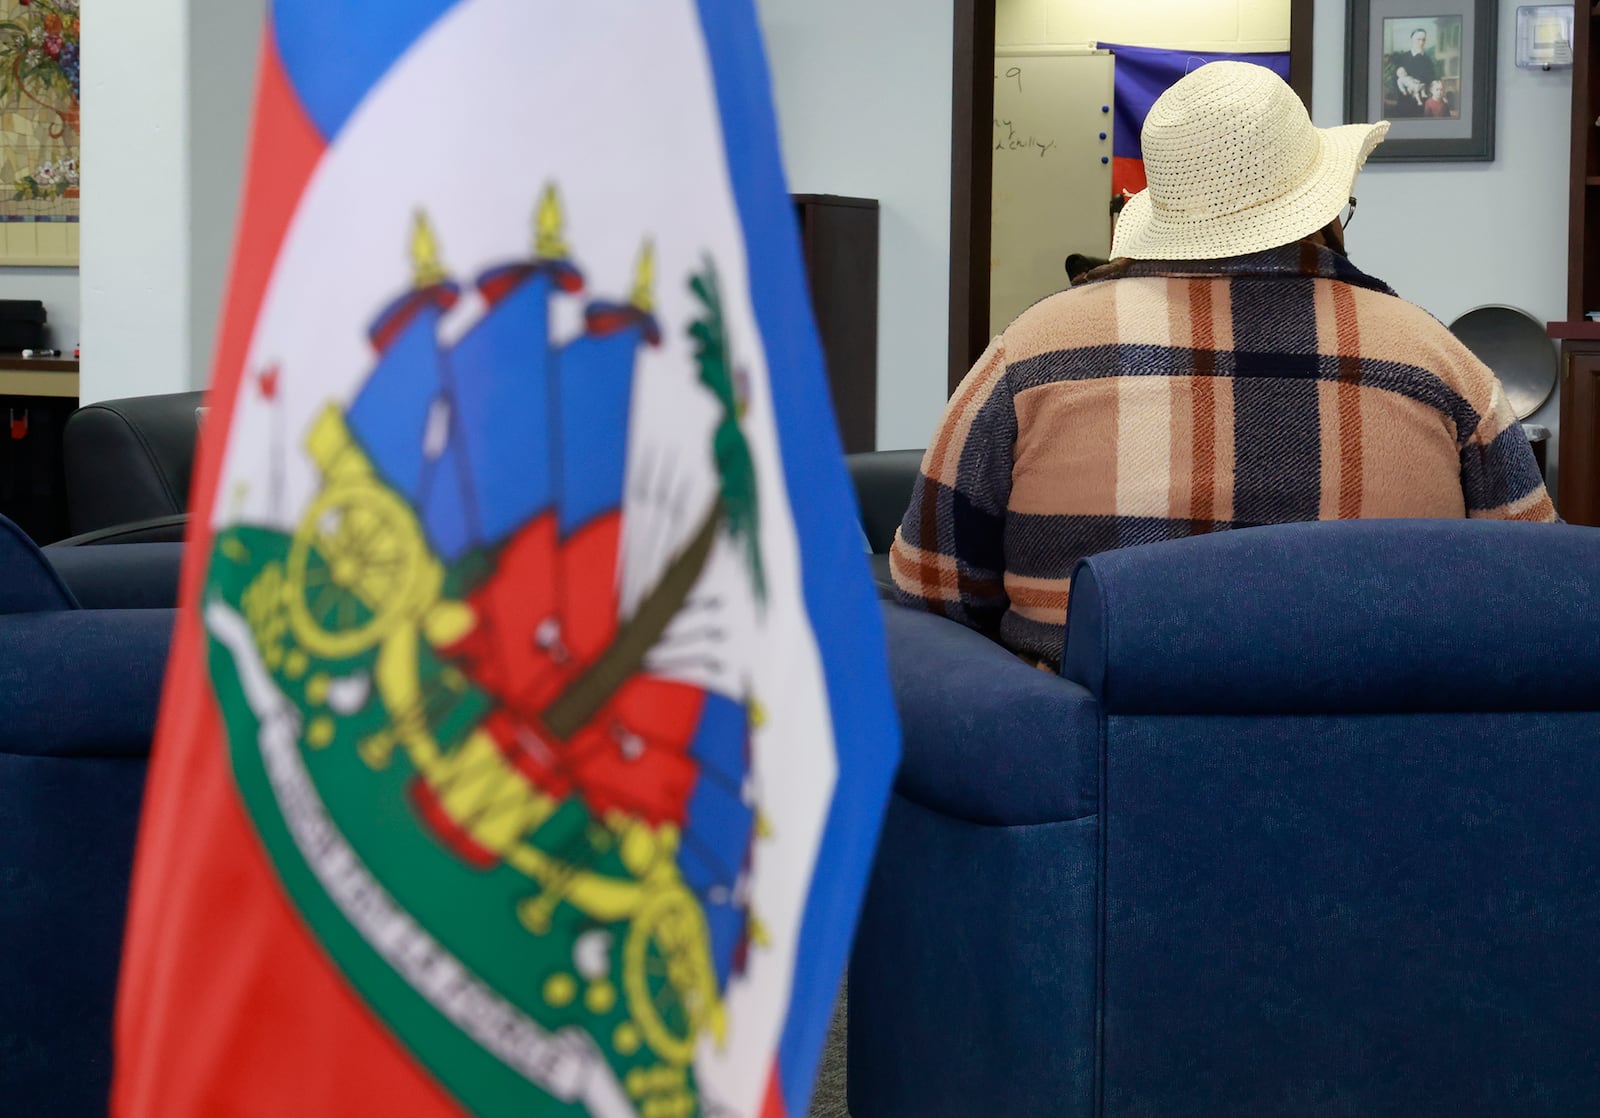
<point x="527" y="730"/>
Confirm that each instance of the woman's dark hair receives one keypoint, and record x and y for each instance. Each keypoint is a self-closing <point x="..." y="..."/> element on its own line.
<point x="1095" y="268"/>
<point x="1079" y="265"/>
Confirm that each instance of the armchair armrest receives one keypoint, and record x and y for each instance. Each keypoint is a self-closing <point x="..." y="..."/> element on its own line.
<point x="157" y="529"/>
<point x="987" y="737"/>
<point x="128" y="576"/>
<point x="82" y="683"/>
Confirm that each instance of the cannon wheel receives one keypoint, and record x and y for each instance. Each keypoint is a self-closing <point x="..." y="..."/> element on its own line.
<point x="667" y="975"/>
<point x="353" y="562"/>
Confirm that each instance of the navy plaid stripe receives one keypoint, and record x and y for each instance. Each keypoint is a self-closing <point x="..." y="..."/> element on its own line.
<point x="1277" y="428"/>
<point x="1414" y="384"/>
<point x="983" y="471"/>
<point x="1286" y="261"/>
<point x="960" y="526"/>
<point x="1501" y="472"/>
<point x="1039" y="545"/>
<point x="1037" y="638"/>
<point x="977" y="534"/>
<point x="972" y="538"/>
<point x="1108" y="361"/>
<point x="1277" y="450"/>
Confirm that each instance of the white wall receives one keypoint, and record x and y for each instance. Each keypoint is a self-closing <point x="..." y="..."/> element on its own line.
<point x="225" y="47"/>
<point x="1208" y="25"/>
<point x="863" y="98"/>
<point x="134" y="239"/>
<point x="166" y="95"/>
<point x="1453" y="236"/>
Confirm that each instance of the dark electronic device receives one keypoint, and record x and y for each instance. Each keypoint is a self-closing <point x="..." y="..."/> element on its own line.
<point x="22" y="324"/>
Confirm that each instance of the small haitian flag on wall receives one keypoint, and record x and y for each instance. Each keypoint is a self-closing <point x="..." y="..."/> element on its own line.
<point x="527" y="730"/>
<point x="1141" y="75"/>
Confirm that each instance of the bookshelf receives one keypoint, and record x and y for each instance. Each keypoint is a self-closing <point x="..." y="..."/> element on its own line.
<point x="1579" y="478"/>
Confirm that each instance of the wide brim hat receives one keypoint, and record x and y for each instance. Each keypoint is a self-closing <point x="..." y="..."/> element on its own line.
<point x="1235" y="166"/>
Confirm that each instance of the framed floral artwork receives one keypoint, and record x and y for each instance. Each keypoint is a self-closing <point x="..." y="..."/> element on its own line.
<point x="39" y="160"/>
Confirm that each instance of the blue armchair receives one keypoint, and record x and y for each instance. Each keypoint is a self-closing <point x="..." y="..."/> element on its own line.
<point x="119" y="576"/>
<point x="79" y="690"/>
<point x="1310" y="827"/>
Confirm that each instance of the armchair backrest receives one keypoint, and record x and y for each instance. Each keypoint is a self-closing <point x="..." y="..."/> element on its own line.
<point x="1370" y="616"/>
<point x="883" y="481"/>
<point x="1348" y="843"/>
<point x="130" y="459"/>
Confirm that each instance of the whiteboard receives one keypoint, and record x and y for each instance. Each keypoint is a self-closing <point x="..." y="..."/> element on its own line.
<point x="1052" y="192"/>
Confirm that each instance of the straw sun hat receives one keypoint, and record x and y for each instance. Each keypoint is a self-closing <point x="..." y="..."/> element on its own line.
<point x="1235" y="166"/>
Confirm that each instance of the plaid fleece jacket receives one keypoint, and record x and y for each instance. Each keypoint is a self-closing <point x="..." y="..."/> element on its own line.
<point x="1174" y="399"/>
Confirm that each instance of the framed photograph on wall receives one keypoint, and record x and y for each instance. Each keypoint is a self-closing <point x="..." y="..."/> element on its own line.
<point x="1427" y="67"/>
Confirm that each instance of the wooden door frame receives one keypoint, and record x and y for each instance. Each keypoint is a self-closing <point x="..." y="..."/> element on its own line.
<point x="972" y="165"/>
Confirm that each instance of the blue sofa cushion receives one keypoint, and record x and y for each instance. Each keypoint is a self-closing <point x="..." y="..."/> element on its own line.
<point x="86" y="683"/>
<point x="79" y="694"/>
<point x="1373" y="616"/>
<point x="67" y="831"/>
<point x="1019" y="747"/>
<point x="27" y="582"/>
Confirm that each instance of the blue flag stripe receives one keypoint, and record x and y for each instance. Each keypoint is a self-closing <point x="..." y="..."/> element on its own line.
<point x="843" y="607"/>
<point x="1144" y="73"/>
<point x="368" y="37"/>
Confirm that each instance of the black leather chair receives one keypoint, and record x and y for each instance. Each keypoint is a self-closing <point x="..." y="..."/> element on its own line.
<point x="145" y="438"/>
<point x="883" y="481"/>
<point x="128" y="466"/>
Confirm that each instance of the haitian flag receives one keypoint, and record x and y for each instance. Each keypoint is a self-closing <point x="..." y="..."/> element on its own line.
<point x="527" y="730"/>
<point x="1143" y="74"/>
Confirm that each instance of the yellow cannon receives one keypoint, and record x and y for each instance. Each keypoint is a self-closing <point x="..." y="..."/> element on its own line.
<point x="361" y="576"/>
<point x="359" y="567"/>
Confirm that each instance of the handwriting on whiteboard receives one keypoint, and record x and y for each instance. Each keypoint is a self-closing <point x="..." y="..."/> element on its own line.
<point x="1013" y="74"/>
<point x="1007" y="138"/>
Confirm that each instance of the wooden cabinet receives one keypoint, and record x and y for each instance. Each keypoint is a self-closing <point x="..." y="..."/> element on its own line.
<point x="839" y="238"/>
<point x="1580" y="431"/>
<point x="36" y="397"/>
<point x="1583" y="263"/>
<point x="1578" y="496"/>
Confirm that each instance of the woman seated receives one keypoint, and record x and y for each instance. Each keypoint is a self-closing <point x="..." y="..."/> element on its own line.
<point x="1229" y="367"/>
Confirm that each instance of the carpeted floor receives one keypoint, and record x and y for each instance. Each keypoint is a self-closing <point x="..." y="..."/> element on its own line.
<point x="828" y="1100"/>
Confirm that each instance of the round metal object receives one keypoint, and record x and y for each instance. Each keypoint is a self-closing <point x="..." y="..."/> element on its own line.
<point x="1514" y="344"/>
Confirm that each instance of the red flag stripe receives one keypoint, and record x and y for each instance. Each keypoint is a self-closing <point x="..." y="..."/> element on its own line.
<point x="226" y="1003"/>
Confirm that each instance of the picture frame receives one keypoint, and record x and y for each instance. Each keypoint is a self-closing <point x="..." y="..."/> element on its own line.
<point x="39" y="126"/>
<point x="1427" y="67"/>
